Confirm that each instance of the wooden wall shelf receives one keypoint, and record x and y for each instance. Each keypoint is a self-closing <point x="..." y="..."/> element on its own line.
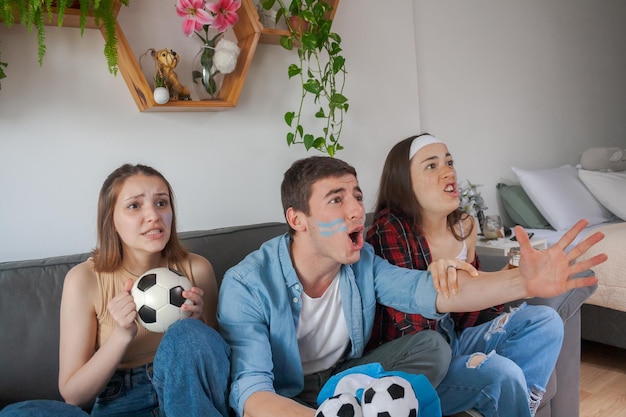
<point x="247" y="38"/>
<point x="271" y="35"/>
<point x="247" y="33"/>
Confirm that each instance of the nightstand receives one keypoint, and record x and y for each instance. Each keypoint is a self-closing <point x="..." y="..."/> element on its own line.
<point x="501" y="246"/>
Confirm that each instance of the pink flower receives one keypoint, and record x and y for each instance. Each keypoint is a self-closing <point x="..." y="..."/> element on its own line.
<point x="224" y="13"/>
<point x="194" y="14"/>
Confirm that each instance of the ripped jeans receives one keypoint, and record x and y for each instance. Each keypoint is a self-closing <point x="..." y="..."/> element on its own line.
<point x="501" y="368"/>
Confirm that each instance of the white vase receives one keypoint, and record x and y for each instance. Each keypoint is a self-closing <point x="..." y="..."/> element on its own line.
<point x="161" y="95"/>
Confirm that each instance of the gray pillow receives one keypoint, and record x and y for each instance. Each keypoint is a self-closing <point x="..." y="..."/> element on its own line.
<point x="519" y="207"/>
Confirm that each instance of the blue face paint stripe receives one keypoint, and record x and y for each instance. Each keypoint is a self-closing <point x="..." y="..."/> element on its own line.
<point x="332" y="232"/>
<point x="332" y="227"/>
<point x="330" y="224"/>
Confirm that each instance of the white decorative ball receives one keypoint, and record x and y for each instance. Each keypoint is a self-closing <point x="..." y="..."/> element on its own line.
<point x="161" y="95"/>
<point x="342" y="405"/>
<point x="158" y="297"/>
<point x="390" y="396"/>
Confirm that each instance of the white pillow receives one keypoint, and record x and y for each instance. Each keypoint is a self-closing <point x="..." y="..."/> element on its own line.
<point x="609" y="188"/>
<point x="561" y="197"/>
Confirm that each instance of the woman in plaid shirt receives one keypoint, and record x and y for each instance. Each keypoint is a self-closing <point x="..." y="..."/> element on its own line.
<point x="500" y="366"/>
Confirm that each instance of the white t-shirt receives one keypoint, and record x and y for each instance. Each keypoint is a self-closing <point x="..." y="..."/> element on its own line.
<point x="322" y="331"/>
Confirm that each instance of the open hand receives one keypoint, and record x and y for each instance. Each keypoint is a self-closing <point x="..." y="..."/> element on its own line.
<point x="547" y="272"/>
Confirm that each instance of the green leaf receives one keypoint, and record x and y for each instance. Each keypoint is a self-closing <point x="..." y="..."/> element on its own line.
<point x="267" y="4"/>
<point x="309" y="41"/>
<point x="289" y="117"/>
<point x="309" y="141"/>
<point x="290" y="138"/>
<point x="286" y="42"/>
<point x="338" y="99"/>
<point x="320" y="114"/>
<point x="293" y="70"/>
<point x="319" y="143"/>
<point x="312" y="86"/>
<point x="339" y="63"/>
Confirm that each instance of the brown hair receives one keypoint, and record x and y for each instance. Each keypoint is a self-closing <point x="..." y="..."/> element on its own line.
<point x="107" y="256"/>
<point x="295" y="190"/>
<point x="395" y="191"/>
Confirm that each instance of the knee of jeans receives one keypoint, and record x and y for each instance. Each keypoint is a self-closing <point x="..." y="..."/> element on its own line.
<point x="549" y="320"/>
<point x="501" y="368"/>
<point x="194" y="337"/>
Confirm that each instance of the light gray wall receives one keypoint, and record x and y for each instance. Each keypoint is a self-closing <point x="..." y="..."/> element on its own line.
<point x="529" y="83"/>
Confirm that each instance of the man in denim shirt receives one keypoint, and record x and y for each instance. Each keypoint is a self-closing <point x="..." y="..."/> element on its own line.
<point x="300" y="309"/>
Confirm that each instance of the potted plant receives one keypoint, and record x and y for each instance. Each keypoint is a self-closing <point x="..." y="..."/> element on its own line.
<point x="472" y="202"/>
<point x="321" y="70"/>
<point x="35" y="13"/>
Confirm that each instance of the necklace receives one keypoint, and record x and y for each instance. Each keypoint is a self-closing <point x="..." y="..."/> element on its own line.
<point x="125" y="269"/>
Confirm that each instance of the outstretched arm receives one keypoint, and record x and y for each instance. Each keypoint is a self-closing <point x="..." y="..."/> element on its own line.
<point x="542" y="273"/>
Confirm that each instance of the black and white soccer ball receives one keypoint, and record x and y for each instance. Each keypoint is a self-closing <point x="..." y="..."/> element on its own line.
<point x="389" y="396"/>
<point x="342" y="405"/>
<point x="158" y="295"/>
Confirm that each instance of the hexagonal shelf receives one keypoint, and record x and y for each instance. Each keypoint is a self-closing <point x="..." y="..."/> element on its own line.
<point x="271" y="35"/>
<point x="246" y="30"/>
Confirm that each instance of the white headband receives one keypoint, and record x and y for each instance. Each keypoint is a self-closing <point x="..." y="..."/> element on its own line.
<point x="421" y="141"/>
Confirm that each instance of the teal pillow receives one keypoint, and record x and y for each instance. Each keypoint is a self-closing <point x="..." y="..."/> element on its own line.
<point x="519" y="207"/>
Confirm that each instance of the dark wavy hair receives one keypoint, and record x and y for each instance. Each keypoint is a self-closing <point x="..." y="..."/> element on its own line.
<point x="395" y="191"/>
<point x="295" y="190"/>
<point x="107" y="255"/>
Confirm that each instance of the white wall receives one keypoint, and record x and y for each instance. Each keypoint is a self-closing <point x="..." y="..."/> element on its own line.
<point x="506" y="82"/>
<point x="66" y="126"/>
<point x="529" y="83"/>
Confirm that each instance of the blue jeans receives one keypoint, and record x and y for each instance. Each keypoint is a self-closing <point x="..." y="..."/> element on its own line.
<point x="191" y="371"/>
<point x="189" y="378"/>
<point x="129" y="393"/>
<point x="42" y="408"/>
<point x="502" y="367"/>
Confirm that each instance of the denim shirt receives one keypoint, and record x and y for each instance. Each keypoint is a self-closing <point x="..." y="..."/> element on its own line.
<point x="259" y="308"/>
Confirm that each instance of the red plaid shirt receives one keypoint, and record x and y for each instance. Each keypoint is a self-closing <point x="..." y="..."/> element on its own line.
<point x="393" y="239"/>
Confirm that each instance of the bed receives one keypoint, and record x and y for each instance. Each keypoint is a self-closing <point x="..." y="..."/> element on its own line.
<point x="547" y="202"/>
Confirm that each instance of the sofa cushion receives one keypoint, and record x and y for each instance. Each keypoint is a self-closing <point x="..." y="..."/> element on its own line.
<point x="225" y="247"/>
<point x="30" y="300"/>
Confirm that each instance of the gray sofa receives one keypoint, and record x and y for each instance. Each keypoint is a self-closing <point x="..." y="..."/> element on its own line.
<point x="30" y="294"/>
<point x="603" y="325"/>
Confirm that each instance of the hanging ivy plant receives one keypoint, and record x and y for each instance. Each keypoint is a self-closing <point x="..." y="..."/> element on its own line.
<point x="321" y="70"/>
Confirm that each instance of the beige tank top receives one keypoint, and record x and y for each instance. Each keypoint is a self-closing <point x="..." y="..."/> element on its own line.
<point x="143" y="347"/>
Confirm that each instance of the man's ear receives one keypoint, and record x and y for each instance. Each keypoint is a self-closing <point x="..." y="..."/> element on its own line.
<point x="295" y="219"/>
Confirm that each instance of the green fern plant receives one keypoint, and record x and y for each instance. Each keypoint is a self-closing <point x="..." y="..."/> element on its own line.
<point x="321" y="70"/>
<point x="34" y="14"/>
